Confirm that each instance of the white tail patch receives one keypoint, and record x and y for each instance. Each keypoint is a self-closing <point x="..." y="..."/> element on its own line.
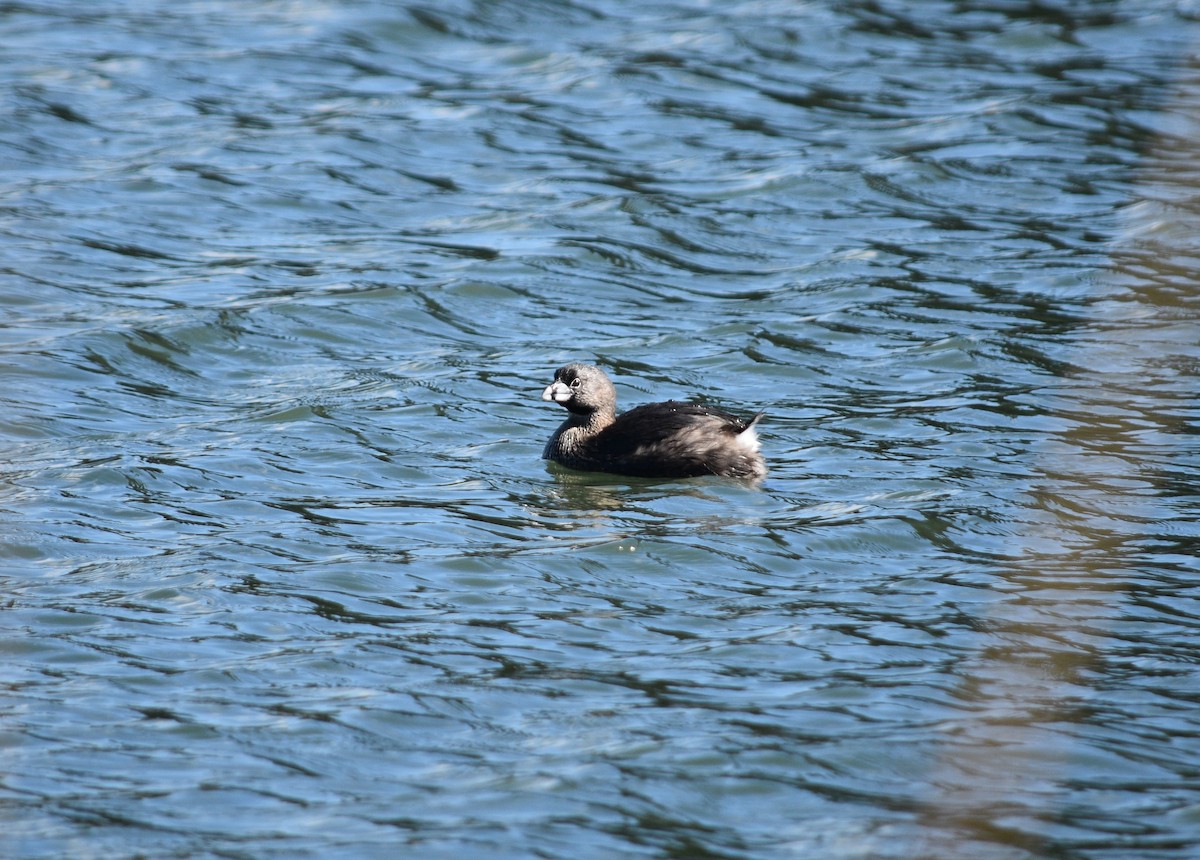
<point x="747" y="440"/>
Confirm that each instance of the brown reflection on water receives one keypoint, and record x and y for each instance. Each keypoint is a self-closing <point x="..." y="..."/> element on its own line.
<point x="1016" y="750"/>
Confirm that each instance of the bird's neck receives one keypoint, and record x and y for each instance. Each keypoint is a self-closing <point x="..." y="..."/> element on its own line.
<point x="592" y="422"/>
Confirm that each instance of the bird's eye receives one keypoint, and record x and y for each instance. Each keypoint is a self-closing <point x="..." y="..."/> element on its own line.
<point x="575" y="383"/>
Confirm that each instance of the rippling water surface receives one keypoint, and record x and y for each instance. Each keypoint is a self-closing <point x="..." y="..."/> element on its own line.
<point x="284" y="576"/>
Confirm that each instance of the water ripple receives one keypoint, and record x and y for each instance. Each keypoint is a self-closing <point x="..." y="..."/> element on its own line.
<point x="286" y="576"/>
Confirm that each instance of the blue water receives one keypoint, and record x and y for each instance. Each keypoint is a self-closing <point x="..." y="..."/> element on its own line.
<point x="283" y="574"/>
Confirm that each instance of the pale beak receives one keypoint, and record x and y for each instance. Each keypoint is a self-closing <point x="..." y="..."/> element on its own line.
<point x="557" y="392"/>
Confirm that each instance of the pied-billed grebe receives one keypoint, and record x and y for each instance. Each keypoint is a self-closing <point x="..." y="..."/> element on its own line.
<point x="658" y="440"/>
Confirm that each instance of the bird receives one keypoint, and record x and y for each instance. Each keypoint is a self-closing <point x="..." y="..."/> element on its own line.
<point x="671" y="439"/>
